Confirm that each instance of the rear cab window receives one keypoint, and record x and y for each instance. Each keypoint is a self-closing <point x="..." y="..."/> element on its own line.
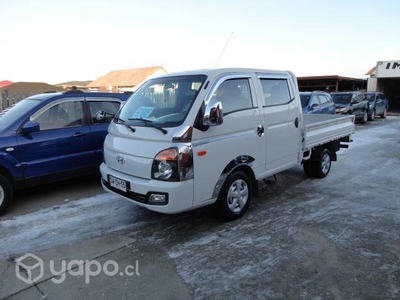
<point x="275" y="91"/>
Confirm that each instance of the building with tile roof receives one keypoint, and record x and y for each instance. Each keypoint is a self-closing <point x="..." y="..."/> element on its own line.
<point x="74" y="84"/>
<point x="125" y="80"/>
<point x="12" y="93"/>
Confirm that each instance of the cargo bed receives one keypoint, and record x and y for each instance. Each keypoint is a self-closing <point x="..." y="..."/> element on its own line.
<point x="322" y="128"/>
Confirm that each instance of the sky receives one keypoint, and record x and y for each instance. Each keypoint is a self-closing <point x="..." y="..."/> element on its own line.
<point x="56" y="41"/>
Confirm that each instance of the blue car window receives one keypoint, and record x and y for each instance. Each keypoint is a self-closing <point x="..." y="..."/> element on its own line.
<point x="61" y="116"/>
<point x="314" y="100"/>
<point x="107" y="110"/>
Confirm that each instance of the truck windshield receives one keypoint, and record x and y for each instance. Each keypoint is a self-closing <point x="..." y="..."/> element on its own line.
<point x="162" y="101"/>
<point x="16" y="111"/>
<point x="341" y="98"/>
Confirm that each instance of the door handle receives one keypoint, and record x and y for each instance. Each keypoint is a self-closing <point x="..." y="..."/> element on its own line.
<point x="260" y="130"/>
<point x="78" y="135"/>
<point x="296" y="122"/>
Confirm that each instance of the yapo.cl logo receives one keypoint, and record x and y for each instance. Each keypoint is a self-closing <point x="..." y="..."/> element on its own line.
<point x="29" y="268"/>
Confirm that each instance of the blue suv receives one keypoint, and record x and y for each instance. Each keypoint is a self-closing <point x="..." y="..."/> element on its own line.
<point x="378" y="104"/>
<point x="317" y="102"/>
<point x="53" y="136"/>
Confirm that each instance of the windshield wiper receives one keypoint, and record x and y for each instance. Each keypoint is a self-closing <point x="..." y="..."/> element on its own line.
<point x="149" y="123"/>
<point x="122" y="122"/>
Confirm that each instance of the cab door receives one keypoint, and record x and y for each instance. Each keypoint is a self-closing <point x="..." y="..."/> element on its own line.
<point x="282" y="114"/>
<point x="236" y="141"/>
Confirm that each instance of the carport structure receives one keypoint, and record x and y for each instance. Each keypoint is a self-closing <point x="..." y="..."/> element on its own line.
<point x="331" y="83"/>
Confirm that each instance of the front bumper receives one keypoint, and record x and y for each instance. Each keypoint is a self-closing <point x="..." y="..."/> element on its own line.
<point x="179" y="195"/>
<point x="341" y="111"/>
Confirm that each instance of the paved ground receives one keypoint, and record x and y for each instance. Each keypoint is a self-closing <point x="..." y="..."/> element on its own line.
<point x="335" y="238"/>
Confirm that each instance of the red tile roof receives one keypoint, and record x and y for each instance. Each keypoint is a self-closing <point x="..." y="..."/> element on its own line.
<point x="372" y="71"/>
<point x="5" y="83"/>
<point x="125" y="78"/>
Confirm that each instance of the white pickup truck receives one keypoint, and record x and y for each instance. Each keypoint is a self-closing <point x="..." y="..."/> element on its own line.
<point x="190" y="139"/>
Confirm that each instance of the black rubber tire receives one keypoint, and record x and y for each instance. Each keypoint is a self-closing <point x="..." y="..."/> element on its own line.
<point x="371" y="117"/>
<point x="322" y="165"/>
<point x="383" y="115"/>
<point x="226" y="201"/>
<point x="307" y="167"/>
<point x="364" y="118"/>
<point x="6" y="193"/>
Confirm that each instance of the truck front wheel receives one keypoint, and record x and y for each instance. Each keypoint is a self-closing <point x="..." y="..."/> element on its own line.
<point x="322" y="165"/>
<point x="6" y="193"/>
<point x="235" y="196"/>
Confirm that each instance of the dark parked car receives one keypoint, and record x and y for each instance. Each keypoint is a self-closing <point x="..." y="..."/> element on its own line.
<point x="317" y="102"/>
<point x="53" y="136"/>
<point x="378" y="104"/>
<point x="352" y="103"/>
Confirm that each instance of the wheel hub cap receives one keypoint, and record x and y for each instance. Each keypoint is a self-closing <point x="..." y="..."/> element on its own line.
<point x="238" y="195"/>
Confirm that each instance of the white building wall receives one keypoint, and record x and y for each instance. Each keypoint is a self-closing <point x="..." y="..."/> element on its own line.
<point x="388" y="69"/>
<point x="372" y="84"/>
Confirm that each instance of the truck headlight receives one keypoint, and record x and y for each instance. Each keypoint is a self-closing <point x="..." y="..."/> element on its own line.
<point x="165" y="165"/>
<point x="173" y="164"/>
<point x="165" y="170"/>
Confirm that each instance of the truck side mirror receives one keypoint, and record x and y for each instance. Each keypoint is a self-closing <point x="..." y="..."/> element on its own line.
<point x="30" y="127"/>
<point x="213" y="113"/>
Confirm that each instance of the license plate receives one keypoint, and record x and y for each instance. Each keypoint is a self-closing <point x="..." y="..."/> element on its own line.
<point x="117" y="183"/>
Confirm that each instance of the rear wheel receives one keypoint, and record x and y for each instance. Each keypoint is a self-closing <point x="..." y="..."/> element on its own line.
<point x="322" y="165"/>
<point x="235" y="196"/>
<point x="383" y="115"/>
<point x="6" y="193"/>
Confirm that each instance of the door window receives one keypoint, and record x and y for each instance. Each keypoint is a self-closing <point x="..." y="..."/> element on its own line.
<point x="276" y="91"/>
<point x="62" y="115"/>
<point x="234" y="95"/>
<point x="314" y="100"/>
<point x="103" y="111"/>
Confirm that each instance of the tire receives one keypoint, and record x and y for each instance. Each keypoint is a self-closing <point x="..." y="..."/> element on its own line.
<point x="6" y="193"/>
<point x="307" y="167"/>
<point x="364" y="118"/>
<point x="322" y="165"/>
<point x="383" y="115"/>
<point x="235" y="196"/>
<point x="371" y="117"/>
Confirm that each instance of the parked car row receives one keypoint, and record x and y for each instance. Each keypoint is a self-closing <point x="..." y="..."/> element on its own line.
<point x="363" y="105"/>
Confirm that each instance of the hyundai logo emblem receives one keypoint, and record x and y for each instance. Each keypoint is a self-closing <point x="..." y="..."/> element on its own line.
<point x="120" y="160"/>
